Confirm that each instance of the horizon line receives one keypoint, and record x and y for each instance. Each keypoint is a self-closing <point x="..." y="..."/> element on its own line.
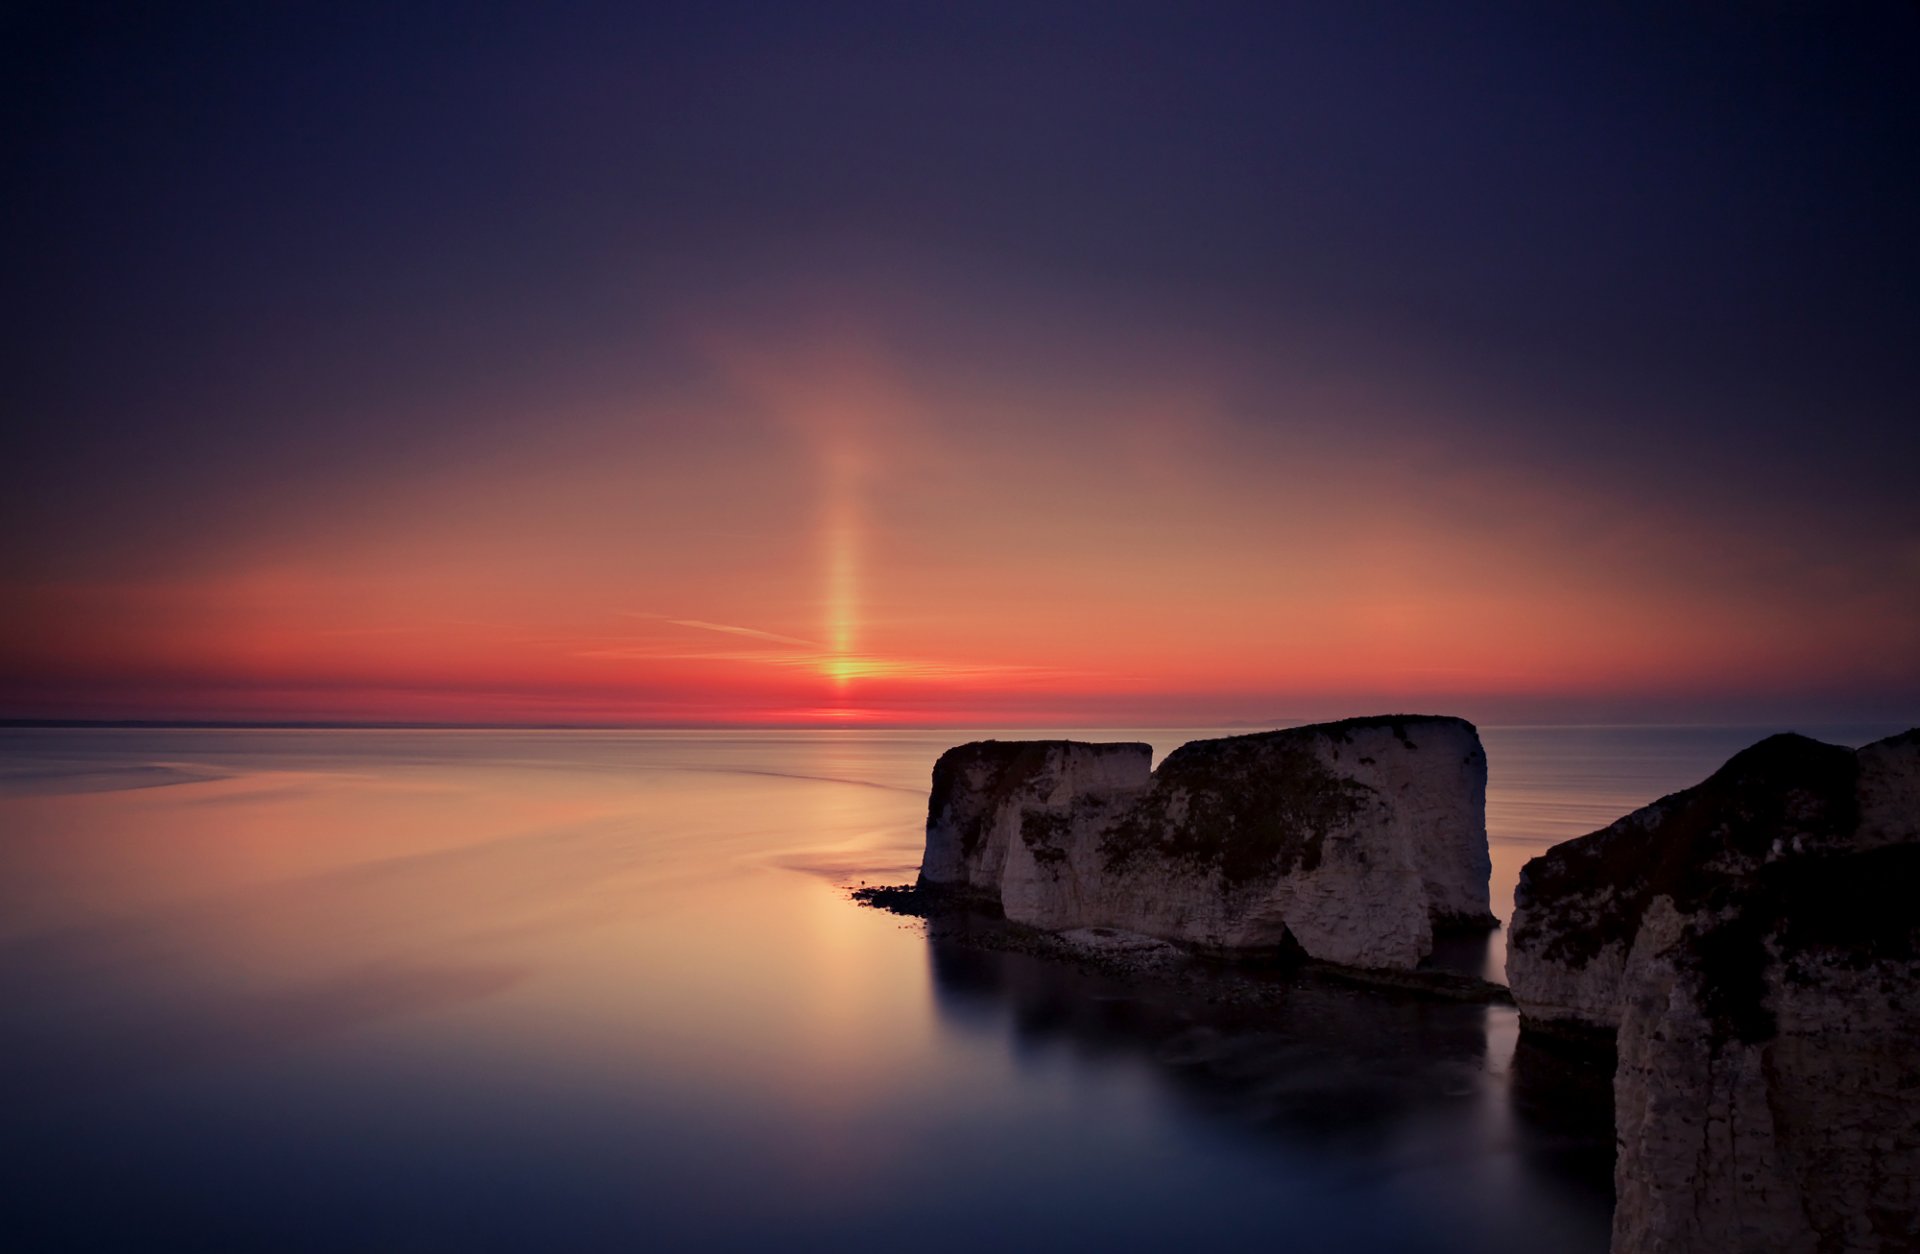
<point x="187" y="724"/>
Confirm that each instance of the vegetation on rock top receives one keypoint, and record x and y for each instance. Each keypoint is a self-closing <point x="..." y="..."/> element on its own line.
<point x="1248" y="807"/>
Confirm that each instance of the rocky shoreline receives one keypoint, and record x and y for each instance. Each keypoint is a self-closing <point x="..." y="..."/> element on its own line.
<point x="966" y="920"/>
<point x="1743" y="957"/>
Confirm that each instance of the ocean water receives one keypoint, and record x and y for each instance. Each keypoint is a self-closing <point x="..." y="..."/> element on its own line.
<point x="491" y="990"/>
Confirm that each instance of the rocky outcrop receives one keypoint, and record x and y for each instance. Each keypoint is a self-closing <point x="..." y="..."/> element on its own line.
<point x="1349" y="840"/>
<point x="1755" y="943"/>
<point x="1580" y="907"/>
<point x="984" y="791"/>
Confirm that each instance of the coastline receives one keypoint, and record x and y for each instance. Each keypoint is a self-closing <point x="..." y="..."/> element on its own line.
<point x="967" y="920"/>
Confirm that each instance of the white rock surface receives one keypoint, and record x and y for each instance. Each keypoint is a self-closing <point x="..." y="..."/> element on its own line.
<point x="1756" y="941"/>
<point x="1889" y="792"/>
<point x="1576" y="911"/>
<point x="1803" y="1139"/>
<point x="982" y="792"/>
<point x="1350" y="840"/>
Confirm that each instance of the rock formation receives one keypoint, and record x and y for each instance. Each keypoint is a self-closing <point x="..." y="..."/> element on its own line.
<point x="983" y="791"/>
<point x="1350" y="840"/>
<point x="1755" y="943"/>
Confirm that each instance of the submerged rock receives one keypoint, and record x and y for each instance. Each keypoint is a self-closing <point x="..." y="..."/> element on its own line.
<point x="1351" y="841"/>
<point x="1754" y="942"/>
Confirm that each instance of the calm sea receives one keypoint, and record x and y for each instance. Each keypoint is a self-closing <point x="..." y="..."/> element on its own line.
<point x="485" y="990"/>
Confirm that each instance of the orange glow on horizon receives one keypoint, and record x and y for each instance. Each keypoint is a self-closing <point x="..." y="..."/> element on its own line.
<point x="851" y="546"/>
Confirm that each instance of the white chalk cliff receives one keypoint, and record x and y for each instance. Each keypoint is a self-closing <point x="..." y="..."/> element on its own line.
<point x="1755" y="943"/>
<point x="1351" y="840"/>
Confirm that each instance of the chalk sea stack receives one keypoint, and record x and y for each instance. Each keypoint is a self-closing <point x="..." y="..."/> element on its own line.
<point x="1351" y="841"/>
<point x="1754" y="944"/>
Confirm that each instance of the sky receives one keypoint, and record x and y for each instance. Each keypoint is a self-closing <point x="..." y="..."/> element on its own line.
<point x="973" y="364"/>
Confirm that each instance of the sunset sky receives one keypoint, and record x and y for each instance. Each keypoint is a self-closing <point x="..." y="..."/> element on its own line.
<point x="970" y="363"/>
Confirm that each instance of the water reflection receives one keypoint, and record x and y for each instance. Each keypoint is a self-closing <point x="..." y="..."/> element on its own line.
<point x="505" y="990"/>
<point x="232" y="1029"/>
<point x="1395" y="1101"/>
<point x="1475" y="952"/>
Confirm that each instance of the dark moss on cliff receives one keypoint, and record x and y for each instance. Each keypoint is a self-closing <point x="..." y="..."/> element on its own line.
<point x="1856" y="908"/>
<point x="1248" y="807"/>
<point x="1797" y="916"/>
<point x="1403" y="726"/>
<point x="1793" y="918"/>
<point x="1014" y="764"/>
<point x="1759" y="861"/>
<point x="1691" y="846"/>
<point x="1044" y="832"/>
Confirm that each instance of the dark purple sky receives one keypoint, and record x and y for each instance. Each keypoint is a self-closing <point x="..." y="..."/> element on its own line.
<point x="1634" y="289"/>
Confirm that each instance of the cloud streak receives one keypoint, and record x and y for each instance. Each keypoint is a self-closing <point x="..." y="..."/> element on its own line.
<point x="752" y="633"/>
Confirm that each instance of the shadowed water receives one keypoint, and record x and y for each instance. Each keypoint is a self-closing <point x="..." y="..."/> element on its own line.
<point x="342" y="990"/>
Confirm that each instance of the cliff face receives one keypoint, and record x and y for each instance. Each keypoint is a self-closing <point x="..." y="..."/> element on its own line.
<point x="984" y="791"/>
<point x="1755" y="940"/>
<point x="1350" y="840"/>
<point x="1578" y="907"/>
